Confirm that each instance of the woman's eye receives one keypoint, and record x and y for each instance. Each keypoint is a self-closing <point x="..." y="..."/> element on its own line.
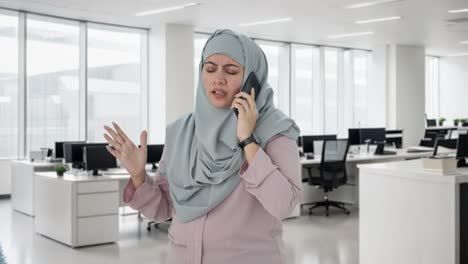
<point x="232" y="72"/>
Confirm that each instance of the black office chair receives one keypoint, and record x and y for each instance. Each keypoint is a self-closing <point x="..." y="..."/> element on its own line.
<point x="331" y="173"/>
<point x="430" y="139"/>
<point x="446" y="143"/>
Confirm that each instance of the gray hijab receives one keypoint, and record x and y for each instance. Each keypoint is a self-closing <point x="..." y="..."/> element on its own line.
<point x="202" y="156"/>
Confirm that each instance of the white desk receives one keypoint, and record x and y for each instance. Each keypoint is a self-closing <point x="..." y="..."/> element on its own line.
<point x="78" y="210"/>
<point x="349" y="193"/>
<point x="410" y="215"/>
<point x="22" y="183"/>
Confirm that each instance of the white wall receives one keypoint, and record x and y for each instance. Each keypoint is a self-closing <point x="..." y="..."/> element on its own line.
<point x="453" y="88"/>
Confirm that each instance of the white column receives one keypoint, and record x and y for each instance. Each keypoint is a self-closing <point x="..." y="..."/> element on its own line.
<point x="406" y="91"/>
<point x="171" y="73"/>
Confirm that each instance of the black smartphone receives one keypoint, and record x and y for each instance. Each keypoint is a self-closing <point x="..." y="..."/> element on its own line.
<point x="251" y="81"/>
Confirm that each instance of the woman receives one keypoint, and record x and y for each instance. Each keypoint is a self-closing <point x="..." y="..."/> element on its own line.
<point x="226" y="201"/>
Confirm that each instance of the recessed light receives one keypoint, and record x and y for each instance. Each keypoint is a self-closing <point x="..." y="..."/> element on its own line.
<point x="266" y="22"/>
<point x="351" y="35"/>
<point x="464" y="42"/>
<point x="167" y="9"/>
<point x="458" y="54"/>
<point x="458" y="11"/>
<point x="372" y="3"/>
<point x="375" y="20"/>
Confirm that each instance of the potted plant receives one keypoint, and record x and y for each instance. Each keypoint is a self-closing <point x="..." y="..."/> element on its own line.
<point x="463" y="120"/>
<point x="456" y="121"/>
<point x="61" y="169"/>
<point x="441" y="121"/>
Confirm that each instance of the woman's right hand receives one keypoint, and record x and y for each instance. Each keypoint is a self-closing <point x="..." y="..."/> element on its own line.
<point x="131" y="156"/>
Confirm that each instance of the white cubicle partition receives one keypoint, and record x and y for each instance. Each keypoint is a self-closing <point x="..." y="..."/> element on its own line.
<point x="409" y="215"/>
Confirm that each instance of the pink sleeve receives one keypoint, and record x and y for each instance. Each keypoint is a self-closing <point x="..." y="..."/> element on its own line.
<point x="152" y="198"/>
<point x="273" y="176"/>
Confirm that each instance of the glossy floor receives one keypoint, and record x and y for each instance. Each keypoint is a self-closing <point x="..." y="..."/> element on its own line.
<point x="312" y="239"/>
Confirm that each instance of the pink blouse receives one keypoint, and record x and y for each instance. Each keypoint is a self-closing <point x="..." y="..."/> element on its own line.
<point x="246" y="227"/>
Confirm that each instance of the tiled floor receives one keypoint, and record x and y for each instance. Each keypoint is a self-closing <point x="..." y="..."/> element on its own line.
<point x="309" y="240"/>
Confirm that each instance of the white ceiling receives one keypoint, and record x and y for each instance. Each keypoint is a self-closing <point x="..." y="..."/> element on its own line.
<point x="424" y="21"/>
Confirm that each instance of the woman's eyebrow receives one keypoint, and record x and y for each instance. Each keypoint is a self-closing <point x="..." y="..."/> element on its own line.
<point x="226" y="65"/>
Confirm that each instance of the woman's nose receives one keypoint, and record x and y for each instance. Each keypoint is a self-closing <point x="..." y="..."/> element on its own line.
<point x="219" y="78"/>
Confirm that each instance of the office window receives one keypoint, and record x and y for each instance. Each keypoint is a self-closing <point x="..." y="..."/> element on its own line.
<point x="277" y="55"/>
<point x="331" y="90"/>
<point x="114" y="80"/>
<point x="52" y="66"/>
<point x="306" y="106"/>
<point x="8" y="85"/>
<point x="432" y="87"/>
<point x="199" y="43"/>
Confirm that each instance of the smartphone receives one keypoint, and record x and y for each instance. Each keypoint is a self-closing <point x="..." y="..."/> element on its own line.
<point x="251" y="81"/>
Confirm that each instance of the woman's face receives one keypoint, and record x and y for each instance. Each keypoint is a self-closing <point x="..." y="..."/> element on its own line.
<point x="222" y="77"/>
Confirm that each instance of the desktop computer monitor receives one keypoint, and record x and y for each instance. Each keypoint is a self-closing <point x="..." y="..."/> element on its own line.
<point x="354" y="136"/>
<point x="59" y="147"/>
<point x="98" y="158"/>
<point x="372" y="135"/>
<point x="308" y="141"/>
<point x="154" y="154"/>
<point x="462" y="150"/>
<point x="73" y="152"/>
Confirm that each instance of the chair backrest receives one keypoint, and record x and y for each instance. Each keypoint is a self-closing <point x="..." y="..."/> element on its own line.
<point x="335" y="150"/>
<point x="333" y="165"/>
<point x="430" y="139"/>
<point x="446" y="143"/>
<point x="431" y="122"/>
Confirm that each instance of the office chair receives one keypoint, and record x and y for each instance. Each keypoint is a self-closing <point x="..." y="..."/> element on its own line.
<point x="446" y="143"/>
<point x="430" y="139"/>
<point x="331" y="173"/>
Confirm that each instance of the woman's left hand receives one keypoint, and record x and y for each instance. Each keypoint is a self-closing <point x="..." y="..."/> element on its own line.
<point x="247" y="118"/>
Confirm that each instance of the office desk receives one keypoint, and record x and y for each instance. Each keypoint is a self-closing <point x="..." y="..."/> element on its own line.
<point x="349" y="193"/>
<point x="22" y="183"/>
<point x="411" y="215"/>
<point x="78" y="210"/>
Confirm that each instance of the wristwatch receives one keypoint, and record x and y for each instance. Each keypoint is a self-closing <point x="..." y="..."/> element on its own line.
<point x="251" y="139"/>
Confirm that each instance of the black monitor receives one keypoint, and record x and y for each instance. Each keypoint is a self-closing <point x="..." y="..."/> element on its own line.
<point x="354" y="136"/>
<point x="154" y="154"/>
<point x="372" y="135"/>
<point x="73" y="152"/>
<point x="98" y="158"/>
<point x="462" y="150"/>
<point x="59" y="147"/>
<point x="308" y="141"/>
<point x="431" y="122"/>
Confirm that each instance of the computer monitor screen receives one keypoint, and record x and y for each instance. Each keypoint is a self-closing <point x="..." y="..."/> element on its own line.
<point x="308" y="141"/>
<point x="98" y="157"/>
<point x="154" y="153"/>
<point x="73" y="152"/>
<point x="372" y="135"/>
<point x="354" y="136"/>
<point x="59" y="147"/>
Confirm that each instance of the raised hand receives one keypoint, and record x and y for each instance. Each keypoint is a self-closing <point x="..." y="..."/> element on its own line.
<point x="132" y="157"/>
